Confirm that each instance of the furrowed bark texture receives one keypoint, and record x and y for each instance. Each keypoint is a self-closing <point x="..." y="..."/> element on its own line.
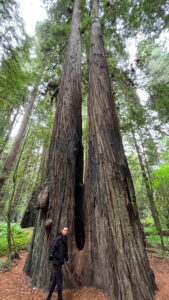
<point x="117" y="257"/>
<point x="64" y="174"/>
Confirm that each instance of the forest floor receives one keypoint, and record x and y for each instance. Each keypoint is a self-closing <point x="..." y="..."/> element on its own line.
<point x="15" y="285"/>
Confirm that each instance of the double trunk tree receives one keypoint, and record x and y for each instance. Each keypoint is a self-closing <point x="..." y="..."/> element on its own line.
<point x="105" y="243"/>
<point x="117" y="259"/>
<point x="64" y="176"/>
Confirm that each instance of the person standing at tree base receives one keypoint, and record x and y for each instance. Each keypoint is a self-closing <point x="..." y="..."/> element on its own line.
<point x="58" y="254"/>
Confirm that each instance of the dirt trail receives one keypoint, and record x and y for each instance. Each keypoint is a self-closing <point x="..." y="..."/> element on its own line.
<point x="15" y="285"/>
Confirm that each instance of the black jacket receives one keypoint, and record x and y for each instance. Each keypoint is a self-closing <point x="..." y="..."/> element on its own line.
<point x="59" y="250"/>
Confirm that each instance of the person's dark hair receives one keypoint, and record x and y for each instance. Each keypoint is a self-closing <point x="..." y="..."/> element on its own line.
<point x="64" y="226"/>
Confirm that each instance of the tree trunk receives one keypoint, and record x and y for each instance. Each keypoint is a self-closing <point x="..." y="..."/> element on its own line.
<point x="5" y="119"/>
<point x="29" y="216"/>
<point x="64" y="174"/>
<point x="9" y="131"/>
<point x="18" y="195"/>
<point x="10" y="202"/>
<point x="117" y="262"/>
<point x="149" y="194"/>
<point x="43" y="165"/>
<point x="18" y="140"/>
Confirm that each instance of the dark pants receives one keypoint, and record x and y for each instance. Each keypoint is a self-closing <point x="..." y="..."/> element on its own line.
<point x="57" y="279"/>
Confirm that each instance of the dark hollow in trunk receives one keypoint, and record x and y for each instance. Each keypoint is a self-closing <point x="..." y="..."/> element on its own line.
<point x="79" y="200"/>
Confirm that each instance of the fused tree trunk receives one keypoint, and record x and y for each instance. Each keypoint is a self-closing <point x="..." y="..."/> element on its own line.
<point x="18" y="140"/>
<point x="117" y="258"/>
<point x="60" y="201"/>
<point x="150" y="196"/>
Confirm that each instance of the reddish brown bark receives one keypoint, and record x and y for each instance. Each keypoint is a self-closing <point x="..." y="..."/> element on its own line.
<point x="64" y="172"/>
<point x="117" y="258"/>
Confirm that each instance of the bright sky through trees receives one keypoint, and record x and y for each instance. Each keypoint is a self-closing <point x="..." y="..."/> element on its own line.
<point x="32" y="11"/>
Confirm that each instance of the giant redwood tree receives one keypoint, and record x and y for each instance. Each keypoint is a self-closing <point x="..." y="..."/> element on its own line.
<point x="117" y="259"/>
<point x="105" y="243"/>
<point x="61" y="199"/>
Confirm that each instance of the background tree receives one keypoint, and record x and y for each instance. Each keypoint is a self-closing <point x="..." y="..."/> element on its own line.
<point x="19" y="138"/>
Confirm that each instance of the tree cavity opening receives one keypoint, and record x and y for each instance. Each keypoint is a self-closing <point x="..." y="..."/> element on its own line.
<point x="79" y="200"/>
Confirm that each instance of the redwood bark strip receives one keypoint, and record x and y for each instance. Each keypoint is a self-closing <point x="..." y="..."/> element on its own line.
<point x="64" y="174"/>
<point x="117" y="258"/>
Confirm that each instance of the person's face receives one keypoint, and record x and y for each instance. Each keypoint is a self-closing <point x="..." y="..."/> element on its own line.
<point x="65" y="231"/>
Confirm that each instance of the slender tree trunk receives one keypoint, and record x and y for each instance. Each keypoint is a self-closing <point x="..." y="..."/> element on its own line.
<point x="10" y="202"/>
<point x="149" y="194"/>
<point x="18" y="195"/>
<point x="18" y="140"/>
<point x="145" y="161"/>
<point x="5" y="116"/>
<point x="9" y="131"/>
<point x="117" y="258"/>
<point x="64" y="173"/>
